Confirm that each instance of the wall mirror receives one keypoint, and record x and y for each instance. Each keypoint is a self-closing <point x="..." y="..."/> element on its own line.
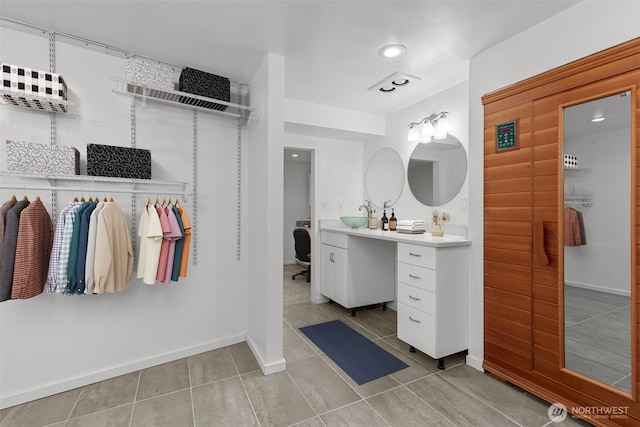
<point x="597" y="256"/>
<point x="437" y="171"/>
<point x="385" y="177"/>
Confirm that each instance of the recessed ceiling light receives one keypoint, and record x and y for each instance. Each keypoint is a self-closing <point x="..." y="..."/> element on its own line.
<point x="294" y="155"/>
<point x="597" y="119"/>
<point x="392" y="50"/>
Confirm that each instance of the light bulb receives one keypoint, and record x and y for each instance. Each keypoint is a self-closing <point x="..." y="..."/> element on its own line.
<point x="428" y="130"/>
<point x="414" y="135"/>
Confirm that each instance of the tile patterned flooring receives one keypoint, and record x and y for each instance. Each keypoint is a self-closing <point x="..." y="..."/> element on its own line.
<point x="225" y="387"/>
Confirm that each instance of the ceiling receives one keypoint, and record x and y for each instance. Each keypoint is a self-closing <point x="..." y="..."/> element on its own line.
<point x="331" y="47"/>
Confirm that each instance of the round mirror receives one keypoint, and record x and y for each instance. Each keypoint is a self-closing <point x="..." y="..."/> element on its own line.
<point x="385" y="177"/>
<point x="437" y="171"/>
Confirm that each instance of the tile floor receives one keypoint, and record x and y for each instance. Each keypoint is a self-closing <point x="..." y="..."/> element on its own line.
<point x="224" y="387"/>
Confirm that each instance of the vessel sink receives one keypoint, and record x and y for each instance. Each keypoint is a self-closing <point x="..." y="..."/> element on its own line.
<point x="354" y="221"/>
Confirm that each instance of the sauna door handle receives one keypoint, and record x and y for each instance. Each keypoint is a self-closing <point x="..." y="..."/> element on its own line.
<point x="540" y="257"/>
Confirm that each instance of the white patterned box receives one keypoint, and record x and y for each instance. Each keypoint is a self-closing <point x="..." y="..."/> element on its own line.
<point x="23" y="80"/>
<point x="28" y="157"/>
<point x="570" y="162"/>
<point x="150" y="74"/>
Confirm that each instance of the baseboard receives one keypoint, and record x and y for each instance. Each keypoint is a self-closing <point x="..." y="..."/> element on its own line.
<point x="267" y="368"/>
<point x="598" y="288"/>
<point x="81" y="381"/>
<point x="474" y="362"/>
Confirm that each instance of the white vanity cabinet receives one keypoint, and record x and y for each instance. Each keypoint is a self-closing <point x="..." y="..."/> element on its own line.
<point x="356" y="271"/>
<point x="432" y="298"/>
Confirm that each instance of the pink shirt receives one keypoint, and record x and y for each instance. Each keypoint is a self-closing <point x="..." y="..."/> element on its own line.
<point x="164" y="249"/>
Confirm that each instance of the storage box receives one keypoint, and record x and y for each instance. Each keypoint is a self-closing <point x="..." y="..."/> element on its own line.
<point x="39" y="104"/>
<point x="570" y="162"/>
<point x="29" y="157"/>
<point x="205" y="84"/>
<point x="22" y="80"/>
<point x="121" y="162"/>
<point x="150" y="74"/>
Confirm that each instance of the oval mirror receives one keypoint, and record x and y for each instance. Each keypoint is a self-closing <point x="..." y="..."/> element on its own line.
<point x="385" y="177"/>
<point x="437" y="171"/>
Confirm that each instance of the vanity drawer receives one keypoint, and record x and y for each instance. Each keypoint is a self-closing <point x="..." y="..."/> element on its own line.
<point x="334" y="239"/>
<point x="417" y="328"/>
<point x="420" y="277"/>
<point x="417" y="298"/>
<point x="424" y="256"/>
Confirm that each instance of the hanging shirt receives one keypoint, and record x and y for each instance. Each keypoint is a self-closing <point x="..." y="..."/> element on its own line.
<point x="113" y="265"/>
<point x="187" y="241"/>
<point x="65" y="244"/>
<point x="177" y="255"/>
<point x="89" y="282"/>
<point x="9" y="245"/>
<point x="35" y="238"/>
<point x="573" y="228"/>
<point x="52" y="279"/>
<point x="72" y="269"/>
<point x="3" y="217"/>
<point x="173" y="236"/>
<point x="82" y="247"/>
<point x="153" y="238"/>
<point x="143" y="227"/>
<point x="164" y="248"/>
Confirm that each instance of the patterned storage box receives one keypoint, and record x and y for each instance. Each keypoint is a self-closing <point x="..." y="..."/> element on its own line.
<point x="26" y="81"/>
<point x="205" y="84"/>
<point x="29" y="157"/>
<point x="150" y="74"/>
<point x="570" y="162"/>
<point x="121" y="162"/>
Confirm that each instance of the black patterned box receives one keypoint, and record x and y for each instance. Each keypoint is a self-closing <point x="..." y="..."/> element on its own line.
<point x="120" y="162"/>
<point x="150" y="74"/>
<point x="26" y="81"/>
<point x="28" y="157"/>
<point x="205" y="84"/>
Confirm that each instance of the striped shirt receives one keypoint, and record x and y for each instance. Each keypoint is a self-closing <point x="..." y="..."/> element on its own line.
<point x="52" y="280"/>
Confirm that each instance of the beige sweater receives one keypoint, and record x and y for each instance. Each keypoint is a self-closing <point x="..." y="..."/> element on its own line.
<point x="113" y="264"/>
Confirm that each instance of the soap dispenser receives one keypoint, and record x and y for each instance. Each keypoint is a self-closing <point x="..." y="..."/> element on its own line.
<point x="393" y="221"/>
<point x="373" y="221"/>
<point x="384" y="221"/>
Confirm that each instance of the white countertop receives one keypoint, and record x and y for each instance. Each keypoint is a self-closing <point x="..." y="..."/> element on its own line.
<point x="425" y="239"/>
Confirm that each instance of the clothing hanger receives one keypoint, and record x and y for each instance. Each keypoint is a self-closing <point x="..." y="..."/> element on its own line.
<point x="111" y="199"/>
<point x="14" y="198"/>
<point x="104" y="200"/>
<point x="25" y="198"/>
<point x="75" y="200"/>
<point x="82" y="200"/>
<point x="37" y="198"/>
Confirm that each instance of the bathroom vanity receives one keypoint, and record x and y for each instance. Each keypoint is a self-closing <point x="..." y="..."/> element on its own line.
<point x="362" y="267"/>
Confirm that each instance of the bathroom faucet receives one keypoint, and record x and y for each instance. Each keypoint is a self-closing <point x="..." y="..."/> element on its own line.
<point x="367" y="207"/>
<point x="386" y="204"/>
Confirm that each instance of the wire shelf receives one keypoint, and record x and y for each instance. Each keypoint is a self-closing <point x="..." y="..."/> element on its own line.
<point x="35" y="102"/>
<point x="183" y="99"/>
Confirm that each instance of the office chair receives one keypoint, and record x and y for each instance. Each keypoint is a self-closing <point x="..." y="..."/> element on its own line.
<point x="303" y="252"/>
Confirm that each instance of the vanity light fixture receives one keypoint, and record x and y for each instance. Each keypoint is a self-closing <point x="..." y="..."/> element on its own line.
<point x="435" y="126"/>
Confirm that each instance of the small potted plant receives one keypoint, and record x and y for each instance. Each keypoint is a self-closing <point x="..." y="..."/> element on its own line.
<point x="438" y="220"/>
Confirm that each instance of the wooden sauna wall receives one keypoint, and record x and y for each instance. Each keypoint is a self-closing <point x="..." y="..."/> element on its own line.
<point x="522" y="295"/>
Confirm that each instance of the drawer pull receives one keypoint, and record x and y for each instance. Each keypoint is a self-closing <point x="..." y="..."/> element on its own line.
<point x="414" y="298"/>
<point x="414" y="320"/>
<point x="412" y="254"/>
<point x="415" y="277"/>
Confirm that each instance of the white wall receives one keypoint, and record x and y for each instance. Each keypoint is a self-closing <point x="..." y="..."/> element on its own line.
<point x="455" y="101"/>
<point x="572" y="34"/>
<point x="52" y="343"/>
<point x="296" y="203"/>
<point x="266" y="152"/>
<point x="602" y="264"/>
<point x="337" y="171"/>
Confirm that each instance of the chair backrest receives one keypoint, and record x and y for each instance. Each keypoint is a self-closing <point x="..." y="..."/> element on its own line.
<point x="302" y="244"/>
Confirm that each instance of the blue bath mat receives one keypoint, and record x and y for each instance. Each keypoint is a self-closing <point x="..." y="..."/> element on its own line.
<point x="358" y="356"/>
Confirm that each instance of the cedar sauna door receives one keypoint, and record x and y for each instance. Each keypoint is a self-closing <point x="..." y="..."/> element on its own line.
<point x="524" y="253"/>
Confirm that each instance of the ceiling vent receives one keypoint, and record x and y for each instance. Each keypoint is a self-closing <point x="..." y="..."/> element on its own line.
<point x="395" y="81"/>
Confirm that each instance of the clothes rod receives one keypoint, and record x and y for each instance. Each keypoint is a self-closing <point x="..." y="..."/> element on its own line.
<point x="90" y="190"/>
